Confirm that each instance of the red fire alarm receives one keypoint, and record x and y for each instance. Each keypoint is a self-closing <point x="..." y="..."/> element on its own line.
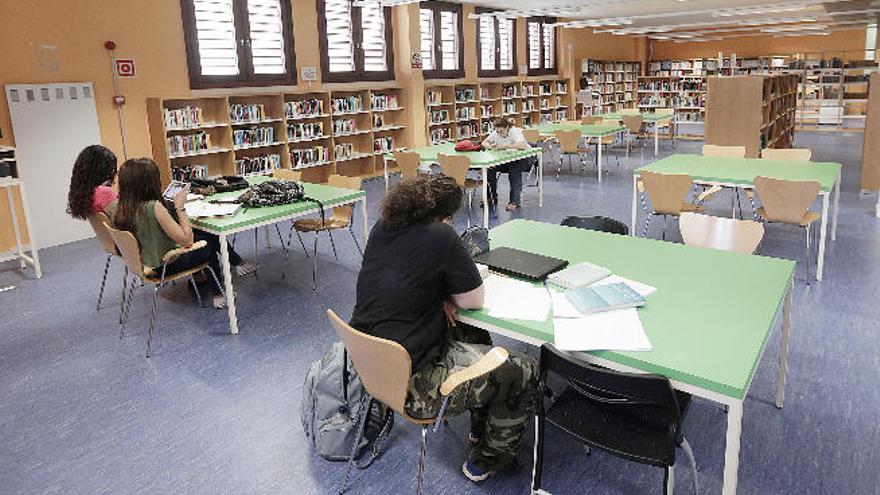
<point x="125" y="67"/>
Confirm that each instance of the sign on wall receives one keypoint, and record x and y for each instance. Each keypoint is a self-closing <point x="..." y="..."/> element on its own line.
<point x="416" y="60"/>
<point x="309" y="73"/>
<point x="125" y="67"/>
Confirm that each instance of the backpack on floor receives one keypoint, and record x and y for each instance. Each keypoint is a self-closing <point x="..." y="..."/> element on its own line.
<point x="331" y="401"/>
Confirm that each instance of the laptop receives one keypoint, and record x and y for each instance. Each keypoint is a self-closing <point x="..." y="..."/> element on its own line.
<point x="518" y="263"/>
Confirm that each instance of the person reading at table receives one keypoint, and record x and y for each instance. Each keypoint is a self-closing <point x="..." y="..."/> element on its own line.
<point x="415" y="273"/>
<point x="506" y="136"/>
<point x="142" y="211"/>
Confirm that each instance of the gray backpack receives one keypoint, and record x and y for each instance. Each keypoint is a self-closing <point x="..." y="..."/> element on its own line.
<point x="332" y="395"/>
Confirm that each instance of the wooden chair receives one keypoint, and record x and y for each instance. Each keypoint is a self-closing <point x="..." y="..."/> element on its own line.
<point x="667" y="193"/>
<point x="727" y="234"/>
<point x="788" y="202"/>
<point x="635" y="127"/>
<point x="569" y="144"/>
<point x="724" y="151"/>
<point x="457" y="166"/>
<point x="98" y="222"/>
<point x="668" y="123"/>
<point x="790" y="154"/>
<point x="534" y="138"/>
<point x="629" y="111"/>
<point x="385" y="367"/>
<point x="287" y="174"/>
<point x="131" y="253"/>
<point x="592" y="120"/>
<point x="408" y="162"/>
<point x="340" y="218"/>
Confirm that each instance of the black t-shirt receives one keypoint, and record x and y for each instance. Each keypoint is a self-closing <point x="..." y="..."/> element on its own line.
<point x="406" y="275"/>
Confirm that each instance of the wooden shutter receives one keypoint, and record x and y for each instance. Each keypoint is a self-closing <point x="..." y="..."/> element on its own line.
<point x="534" y="44"/>
<point x="266" y="23"/>
<point x="339" y="51"/>
<point x="426" y="27"/>
<point x="487" y="43"/>
<point x="506" y="40"/>
<point x="216" y="38"/>
<point x="373" y="44"/>
<point x="449" y="42"/>
<point x="549" y="45"/>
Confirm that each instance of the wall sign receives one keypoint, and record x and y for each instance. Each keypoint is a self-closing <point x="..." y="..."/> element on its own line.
<point x="125" y="67"/>
<point x="416" y="60"/>
<point x="309" y="73"/>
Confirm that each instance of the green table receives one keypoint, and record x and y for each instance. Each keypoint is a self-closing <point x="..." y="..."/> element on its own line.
<point x="483" y="160"/>
<point x="587" y="130"/>
<point x="708" y="333"/>
<point x="252" y="218"/>
<point x="653" y="118"/>
<point x="741" y="173"/>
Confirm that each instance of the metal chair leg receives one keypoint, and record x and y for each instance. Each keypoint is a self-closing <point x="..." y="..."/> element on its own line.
<point x="669" y="480"/>
<point x="152" y="318"/>
<point x="122" y="297"/>
<point x="690" y="455"/>
<point x="354" y="238"/>
<point x="809" y="255"/>
<point x="192" y="281"/>
<point x="103" y="282"/>
<point x="647" y="224"/>
<point x="361" y="421"/>
<point x="314" y="263"/>
<point x="216" y="280"/>
<point x="422" y="448"/>
<point x="127" y="306"/>
<point x="303" y="244"/>
<point x="332" y="243"/>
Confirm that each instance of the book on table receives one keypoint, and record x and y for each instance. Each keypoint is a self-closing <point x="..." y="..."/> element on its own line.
<point x="606" y="297"/>
<point x="579" y="275"/>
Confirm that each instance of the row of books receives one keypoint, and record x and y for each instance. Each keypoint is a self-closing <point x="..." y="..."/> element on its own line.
<point x="509" y="107"/>
<point x="344" y="126"/>
<point x="187" y="173"/>
<point x="675" y="101"/>
<point x="440" y="134"/>
<point x="439" y="116"/>
<point x="465" y="94"/>
<point x="343" y="150"/>
<point x="486" y="127"/>
<point x="303" y="108"/>
<point x="467" y="131"/>
<point x="309" y="156"/>
<point x="384" y="102"/>
<point x="465" y="113"/>
<point x="435" y="97"/>
<point x="189" y="143"/>
<point x="383" y="144"/>
<point x="305" y="130"/>
<point x="347" y="104"/>
<point x="486" y="110"/>
<point x="253" y="136"/>
<point x="509" y="91"/>
<point x="378" y="120"/>
<point x="257" y="164"/>
<point x="529" y="106"/>
<point x="246" y="112"/>
<point x="176" y="118"/>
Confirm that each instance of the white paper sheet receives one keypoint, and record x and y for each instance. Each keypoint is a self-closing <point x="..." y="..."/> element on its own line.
<point x="562" y="307"/>
<point x="619" y="330"/>
<point x="513" y="299"/>
<point x="197" y="209"/>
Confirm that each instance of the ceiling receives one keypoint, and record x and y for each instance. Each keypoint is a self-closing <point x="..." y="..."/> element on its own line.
<point x="699" y="20"/>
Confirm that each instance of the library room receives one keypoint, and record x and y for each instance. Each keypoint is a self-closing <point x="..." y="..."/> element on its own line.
<point x="451" y="247"/>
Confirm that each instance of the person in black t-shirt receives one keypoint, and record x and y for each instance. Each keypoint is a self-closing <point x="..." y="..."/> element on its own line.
<point x="415" y="273"/>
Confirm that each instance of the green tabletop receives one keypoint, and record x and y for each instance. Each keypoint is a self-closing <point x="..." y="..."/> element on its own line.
<point x="709" y="319"/>
<point x="479" y="159"/>
<point x="647" y="117"/>
<point x="248" y="217"/>
<point x="592" y="130"/>
<point x="743" y="171"/>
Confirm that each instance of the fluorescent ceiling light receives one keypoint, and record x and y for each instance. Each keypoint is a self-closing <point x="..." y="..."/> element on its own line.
<point x="758" y="9"/>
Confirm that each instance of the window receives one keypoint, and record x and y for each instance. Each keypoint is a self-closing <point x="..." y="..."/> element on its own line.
<point x="355" y="41"/>
<point x="541" y="45"/>
<point x="496" y="46"/>
<point x="440" y="26"/>
<point x="238" y="42"/>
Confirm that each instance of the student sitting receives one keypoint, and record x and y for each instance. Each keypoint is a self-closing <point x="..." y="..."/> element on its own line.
<point x="141" y="210"/>
<point x="93" y="174"/>
<point x="508" y="137"/>
<point x="415" y="272"/>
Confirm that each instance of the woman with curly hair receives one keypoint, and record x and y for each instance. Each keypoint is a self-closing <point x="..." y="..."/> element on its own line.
<point x="93" y="174"/>
<point x="415" y="273"/>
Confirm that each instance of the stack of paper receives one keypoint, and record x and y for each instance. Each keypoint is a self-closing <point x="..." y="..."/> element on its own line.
<point x="513" y="299"/>
<point x="200" y="209"/>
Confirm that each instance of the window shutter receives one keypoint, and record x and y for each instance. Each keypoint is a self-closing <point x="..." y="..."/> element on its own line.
<point x="340" y="42"/>
<point x="426" y="25"/>
<point x="449" y="40"/>
<point x="549" y="47"/>
<point x="487" y="43"/>
<point x="373" y="28"/>
<point x="534" y="40"/>
<point x="215" y="32"/>
<point x="506" y="41"/>
<point x="267" y="36"/>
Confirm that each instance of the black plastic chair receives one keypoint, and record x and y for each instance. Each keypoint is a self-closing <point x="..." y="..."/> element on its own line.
<point x="634" y="416"/>
<point x="601" y="224"/>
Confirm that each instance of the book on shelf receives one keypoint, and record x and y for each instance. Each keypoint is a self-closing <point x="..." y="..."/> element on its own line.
<point x="257" y="164"/>
<point x="465" y="95"/>
<point x="239" y="112"/>
<point x="384" y="144"/>
<point x="384" y="101"/>
<point x="378" y="121"/>
<point x="189" y="143"/>
<point x="435" y="97"/>
<point x="467" y="131"/>
<point x="343" y="150"/>
<point x="439" y="116"/>
<point x="303" y="108"/>
<point x="348" y="104"/>
<point x="253" y="136"/>
<point x="440" y="134"/>
<point x="305" y="130"/>
<point x="186" y="173"/>
<point x="344" y="126"/>
<point x="309" y="156"/>
<point x="176" y="118"/>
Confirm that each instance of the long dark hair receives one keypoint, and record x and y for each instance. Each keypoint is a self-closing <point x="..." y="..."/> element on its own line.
<point x="421" y="200"/>
<point x="95" y="166"/>
<point x="138" y="183"/>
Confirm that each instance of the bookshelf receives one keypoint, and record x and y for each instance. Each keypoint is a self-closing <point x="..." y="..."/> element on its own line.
<point x="752" y="111"/>
<point x="8" y="166"/>
<point x="613" y="85"/>
<point x="466" y="111"/>
<point x="870" y="179"/>
<point x="317" y="133"/>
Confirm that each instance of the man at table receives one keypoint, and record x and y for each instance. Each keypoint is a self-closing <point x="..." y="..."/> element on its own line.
<point x="508" y="137"/>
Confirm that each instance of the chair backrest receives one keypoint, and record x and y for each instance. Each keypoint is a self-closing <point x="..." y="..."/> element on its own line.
<point x="591" y="119"/>
<point x="568" y="140"/>
<point x="647" y="393"/>
<point x="383" y="366"/>
<point x="597" y="223"/>
<point x="629" y="111"/>
<point x="664" y="111"/>
<point x="287" y="174"/>
<point x="724" y="151"/>
<point x="408" y="162"/>
<point x="129" y="248"/>
<point x="455" y="166"/>
<point x="667" y="191"/>
<point x="344" y="181"/>
<point x="791" y="154"/>
<point x="786" y="201"/>
<point x="727" y="234"/>
<point x="99" y="221"/>
<point x="531" y="136"/>
<point x="633" y="123"/>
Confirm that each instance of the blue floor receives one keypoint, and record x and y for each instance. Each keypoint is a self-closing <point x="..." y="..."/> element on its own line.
<point x="83" y="411"/>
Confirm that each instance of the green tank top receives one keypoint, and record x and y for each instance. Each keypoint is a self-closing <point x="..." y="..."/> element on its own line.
<point x="153" y="240"/>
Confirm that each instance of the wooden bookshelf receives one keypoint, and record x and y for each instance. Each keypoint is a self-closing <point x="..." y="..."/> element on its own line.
<point x="317" y="133"/>
<point x="752" y="111"/>
<point x="612" y="84"/>
<point x="871" y="151"/>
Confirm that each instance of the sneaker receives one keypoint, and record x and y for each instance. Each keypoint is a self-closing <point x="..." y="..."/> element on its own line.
<point x="473" y="473"/>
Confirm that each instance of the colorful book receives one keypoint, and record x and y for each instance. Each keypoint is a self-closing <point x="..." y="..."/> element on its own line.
<point x="605" y="297"/>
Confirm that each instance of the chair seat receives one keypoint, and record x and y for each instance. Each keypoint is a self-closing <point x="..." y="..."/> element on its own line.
<point x="154" y="276"/>
<point x="615" y="428"/>
<point x="314" y="224"/>
<point x="691" y="208"/>
<point x="808" y="218"/>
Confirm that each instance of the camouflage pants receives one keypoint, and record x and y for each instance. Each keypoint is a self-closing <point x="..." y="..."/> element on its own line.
<point x="501" y="403"/>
